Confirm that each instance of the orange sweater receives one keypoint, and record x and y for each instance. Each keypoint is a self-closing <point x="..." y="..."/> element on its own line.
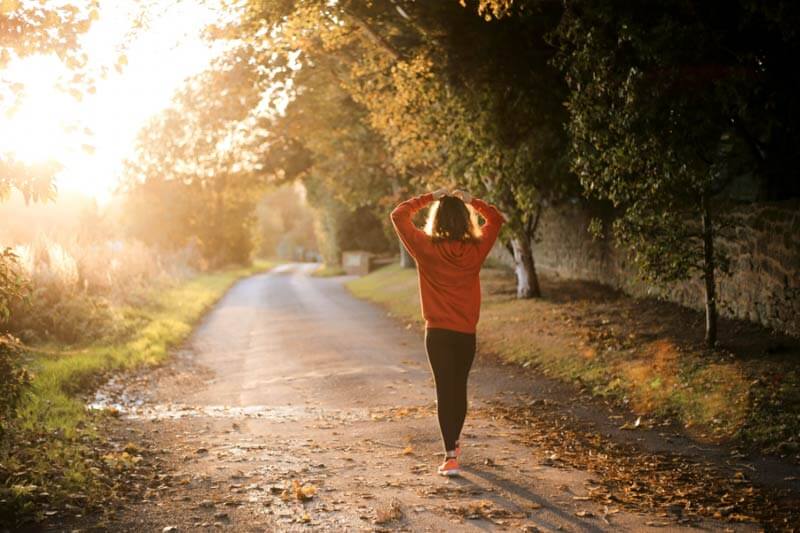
<point x="449" y="282"/>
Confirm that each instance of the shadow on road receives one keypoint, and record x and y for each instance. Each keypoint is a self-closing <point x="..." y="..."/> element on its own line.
<point x="504" y="485"/>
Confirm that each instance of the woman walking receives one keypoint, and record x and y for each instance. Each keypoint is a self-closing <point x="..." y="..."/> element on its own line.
<point x="449" y="255"/>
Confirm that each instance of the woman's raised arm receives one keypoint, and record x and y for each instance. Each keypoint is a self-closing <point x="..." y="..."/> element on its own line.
<point x="490" y="230"/>
<point x="413" y="238"/>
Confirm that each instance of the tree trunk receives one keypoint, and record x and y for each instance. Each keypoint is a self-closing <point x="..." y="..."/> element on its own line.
<point x="509" y="248"/>
<point x="220" y="254"/>
<point x="406" y="261"/>
<point x="524" y="266"/>
<point x="709" y="269"/>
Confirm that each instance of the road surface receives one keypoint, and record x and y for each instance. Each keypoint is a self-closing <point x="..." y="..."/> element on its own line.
<point x="296" y="407"/>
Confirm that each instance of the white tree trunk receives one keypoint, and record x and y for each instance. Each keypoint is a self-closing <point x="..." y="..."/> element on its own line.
<point x="406" y="261"/>
<point x="525" y="268"/>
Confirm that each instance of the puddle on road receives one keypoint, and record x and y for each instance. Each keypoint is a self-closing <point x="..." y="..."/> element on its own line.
<point x="137" y="403"/>
<point x="137" y="410"/>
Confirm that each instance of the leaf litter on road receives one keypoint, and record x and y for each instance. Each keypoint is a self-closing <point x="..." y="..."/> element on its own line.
<point x="486" y="509"/>
<point x="299" y="491"/>
<point x="645" y="481"/>
<point x="388" y="513"/>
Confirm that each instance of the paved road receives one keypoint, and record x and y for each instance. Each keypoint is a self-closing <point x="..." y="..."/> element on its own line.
<point x="291" y="379"/>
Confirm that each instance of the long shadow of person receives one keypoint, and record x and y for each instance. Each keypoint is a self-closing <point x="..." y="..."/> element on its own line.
<point x="524" y="494"/>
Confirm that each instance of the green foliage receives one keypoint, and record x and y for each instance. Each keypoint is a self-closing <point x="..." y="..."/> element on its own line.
<point x="12" y="282"/>
<point x="13" y="380"/>
<point x="669" y="102"/>
<point x="198" y="172"/>
<point x="666" y="102"/>
<point x="286" y="224"/>
<point x="361" y="229"/>
<point x="323" y="138"/>
<point x="69" y="317"/>
<point x="330" y="212"/>
<point x="454" y="100"/>
<point x="159" y="212"/>
<point x="478" y="105"/>
<point x="340" y="227"/>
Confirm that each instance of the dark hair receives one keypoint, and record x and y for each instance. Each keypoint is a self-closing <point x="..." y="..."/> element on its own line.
<point x="451" y="220"/>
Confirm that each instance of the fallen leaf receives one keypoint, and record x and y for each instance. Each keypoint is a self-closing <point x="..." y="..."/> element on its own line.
<point x="635" y="425"/>
<point x="301" y="492"/>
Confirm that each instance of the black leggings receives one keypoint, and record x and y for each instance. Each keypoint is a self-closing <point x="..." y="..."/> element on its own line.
<point x="450" y="354"/>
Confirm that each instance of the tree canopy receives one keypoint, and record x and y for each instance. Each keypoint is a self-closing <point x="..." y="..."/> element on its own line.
<point x="651" y="108"/>
<point x="28" y="28"/>
<point x="669" y="102"/>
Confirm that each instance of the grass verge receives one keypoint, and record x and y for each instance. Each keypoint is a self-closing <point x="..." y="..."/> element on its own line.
<point x="51" y="458"/>
<point x="643" y="354"/>
<point x="327" y="271"/>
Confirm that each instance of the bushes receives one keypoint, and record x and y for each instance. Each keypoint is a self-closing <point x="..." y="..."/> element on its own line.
<point x="77" y="291"/>
<point x="13" y="379"/>
<point x="69" y="316"/>
<point x="12" y="282"/>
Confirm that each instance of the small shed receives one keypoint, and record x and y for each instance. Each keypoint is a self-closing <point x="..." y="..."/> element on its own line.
<point x="356" y="262"/>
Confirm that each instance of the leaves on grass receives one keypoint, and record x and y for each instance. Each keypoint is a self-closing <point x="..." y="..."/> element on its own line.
<point x="81" y="473"/>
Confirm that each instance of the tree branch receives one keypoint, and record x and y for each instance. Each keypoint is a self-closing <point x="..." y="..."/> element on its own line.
<point x="373" y="36"/>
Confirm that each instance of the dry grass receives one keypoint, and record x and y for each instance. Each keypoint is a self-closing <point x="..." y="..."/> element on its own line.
<point x="79" y="290"/>
<point x="115" y="268"/>
<point x="327" y="271"/>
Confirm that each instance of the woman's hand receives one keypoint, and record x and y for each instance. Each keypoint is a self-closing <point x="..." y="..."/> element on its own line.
<point x="464" y="196"/>
<point x="438" y="193"/>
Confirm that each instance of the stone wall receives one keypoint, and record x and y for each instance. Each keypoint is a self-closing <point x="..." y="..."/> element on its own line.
<point x="764" y="281"/>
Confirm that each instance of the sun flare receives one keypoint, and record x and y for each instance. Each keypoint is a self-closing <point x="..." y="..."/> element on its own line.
<point x="91" y="134"/>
